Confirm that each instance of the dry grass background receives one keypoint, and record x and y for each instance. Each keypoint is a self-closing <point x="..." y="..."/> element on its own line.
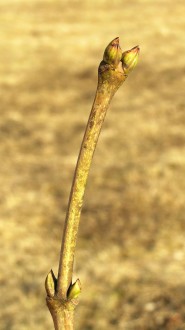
<point x="131" y="248"/>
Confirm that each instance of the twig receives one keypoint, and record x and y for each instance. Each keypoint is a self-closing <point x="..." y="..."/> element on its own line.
<point x="62" y="295"/>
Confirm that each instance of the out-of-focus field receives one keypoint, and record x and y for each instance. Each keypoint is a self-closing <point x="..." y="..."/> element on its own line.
<point x="131" y="248"/>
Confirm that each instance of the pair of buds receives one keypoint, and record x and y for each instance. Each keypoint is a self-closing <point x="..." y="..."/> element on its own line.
<point x="113" y="56"/>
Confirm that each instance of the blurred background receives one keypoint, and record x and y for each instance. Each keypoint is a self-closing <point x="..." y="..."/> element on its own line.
<point x="130" y="254"/>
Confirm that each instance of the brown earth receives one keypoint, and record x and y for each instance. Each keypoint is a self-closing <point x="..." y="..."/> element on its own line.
<point x="131" y="248"/>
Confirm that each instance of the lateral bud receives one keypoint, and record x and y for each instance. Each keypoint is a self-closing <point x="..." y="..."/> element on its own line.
<point x="74" y="290"/>
<point x="50" y="284"/>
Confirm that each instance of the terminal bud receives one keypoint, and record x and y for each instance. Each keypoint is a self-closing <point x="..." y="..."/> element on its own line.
<point x="130" y="59"/>
<point x="113" y="53"/>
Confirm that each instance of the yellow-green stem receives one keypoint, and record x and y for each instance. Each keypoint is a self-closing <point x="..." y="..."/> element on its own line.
<point x="104" y="94"/>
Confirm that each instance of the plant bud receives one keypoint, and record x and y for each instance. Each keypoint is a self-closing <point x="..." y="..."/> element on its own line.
<point x="74" y="290"/>
<point x="130" y="59"/>
<point x="113" y="53"/>
<point x="50" y="284"/>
